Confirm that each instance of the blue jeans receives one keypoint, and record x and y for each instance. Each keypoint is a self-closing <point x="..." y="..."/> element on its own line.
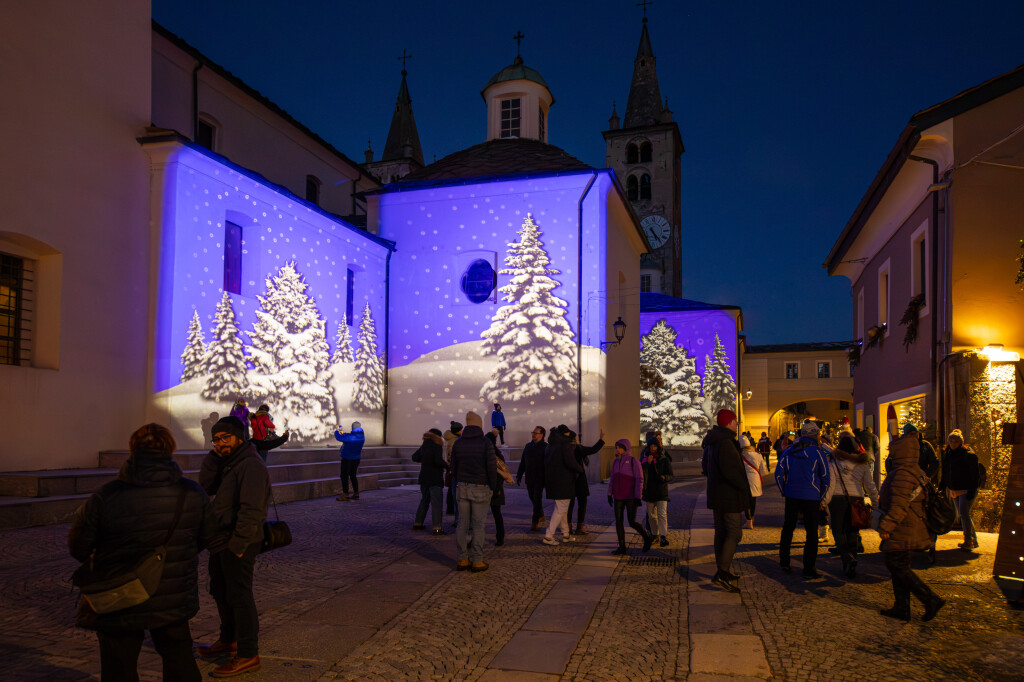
<point x="474" y="501"/>
<point x="963" y="506"/>
<point x="430" y="496"/>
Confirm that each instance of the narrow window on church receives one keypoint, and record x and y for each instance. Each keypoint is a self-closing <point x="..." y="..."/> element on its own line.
<point x="631" y="155"/>
<point x="510" y="117"/>
<point x="645" y="152"/>
<point x="350" y="288"/>
<point x="541" y="124"/>
<point x="645" y="186"/>
<point x="631" y="188"/>
<point x="232" y="258"/>
<point x="312" y="190"/>
<point x="205" y="133"/>
<point x="645" y="284"/>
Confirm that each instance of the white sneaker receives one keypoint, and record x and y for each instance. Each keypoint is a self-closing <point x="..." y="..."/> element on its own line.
<point x="549" y="541"/>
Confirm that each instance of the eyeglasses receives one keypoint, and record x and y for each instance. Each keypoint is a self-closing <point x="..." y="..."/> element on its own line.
<point x="537" y="433"/>
<point x="222" y="439"/>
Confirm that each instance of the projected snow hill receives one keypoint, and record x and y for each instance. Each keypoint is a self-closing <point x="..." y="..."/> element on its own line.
<point x="286" y="363"/>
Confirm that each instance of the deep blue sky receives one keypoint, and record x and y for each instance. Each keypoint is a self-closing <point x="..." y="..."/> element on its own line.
<point x="787" y="110"/>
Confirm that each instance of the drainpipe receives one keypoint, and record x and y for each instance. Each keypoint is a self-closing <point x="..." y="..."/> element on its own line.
<point x="195" y="101"/>
<point x="934" y="296"/>
<point x="355" y="184"/>
<point x="579" y="308"/>
<point x="387" y="337"/>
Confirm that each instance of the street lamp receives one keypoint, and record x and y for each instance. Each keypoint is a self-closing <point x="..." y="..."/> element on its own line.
<point x="619" y="327"/>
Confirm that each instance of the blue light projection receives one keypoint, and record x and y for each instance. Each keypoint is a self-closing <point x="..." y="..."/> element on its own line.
<point x="438" y="367"/>
<point x="689" y="372"/>
<point x="293" y="257"/>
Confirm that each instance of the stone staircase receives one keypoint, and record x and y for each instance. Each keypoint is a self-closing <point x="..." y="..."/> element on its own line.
<point x="38" y="498"/>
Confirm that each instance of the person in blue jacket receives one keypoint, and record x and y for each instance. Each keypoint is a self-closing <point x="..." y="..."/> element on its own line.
<point x="351" y="451"/>
<point x="498" y="421"/>
<point x="802" y="472"/>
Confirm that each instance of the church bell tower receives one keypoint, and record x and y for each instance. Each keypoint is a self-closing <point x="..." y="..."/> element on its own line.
<point x="645" y="152"/>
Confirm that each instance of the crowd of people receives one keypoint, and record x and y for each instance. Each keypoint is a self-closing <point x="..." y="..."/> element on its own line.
<point x="224" y="512"/>
<point x="824" y="479"/>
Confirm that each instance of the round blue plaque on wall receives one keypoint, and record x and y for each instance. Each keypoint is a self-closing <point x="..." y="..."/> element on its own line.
<point x="479" y="280"/>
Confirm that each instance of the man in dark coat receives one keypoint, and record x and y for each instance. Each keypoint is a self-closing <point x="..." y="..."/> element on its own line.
<point x="560" y="472"/>
<point x="475" y="474"/>
<point x="531" y="463"/>
<point x="236" y="476"/>
<point x="728" y="494"/>
<point x="582" y="454"/>
<point x="803" y="475"/>
<point x="432" y="467"/>
<point x="124" y="521"/>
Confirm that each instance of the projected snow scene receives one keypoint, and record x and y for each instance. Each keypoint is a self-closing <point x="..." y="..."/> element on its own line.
<point x="496" y="285"/>
<point x="688" y="368"/>
<point x="267" y="298"/>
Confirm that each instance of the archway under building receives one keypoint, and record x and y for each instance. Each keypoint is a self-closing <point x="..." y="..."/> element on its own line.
<point x="827" y="410"/>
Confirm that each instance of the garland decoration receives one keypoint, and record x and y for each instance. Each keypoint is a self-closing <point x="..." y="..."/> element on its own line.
<point x="910" y="319"/>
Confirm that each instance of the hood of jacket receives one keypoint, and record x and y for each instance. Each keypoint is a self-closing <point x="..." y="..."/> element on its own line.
<point x="716" y="435"/>
<point x="624" y="442"/>
<point x="450" y="437"/>
<point x="433" y="438"/>
<point x="799" y="448"/>
<point x="149" y="470"/>
<point x="904" y="451"/>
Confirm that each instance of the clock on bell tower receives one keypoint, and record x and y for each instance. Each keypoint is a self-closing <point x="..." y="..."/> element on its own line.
<point x="645" y="152"/>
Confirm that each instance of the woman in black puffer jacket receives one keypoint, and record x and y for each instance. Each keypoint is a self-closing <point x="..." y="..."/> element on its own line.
<point x="121" y="523"/>
<point x="961" y="479"/>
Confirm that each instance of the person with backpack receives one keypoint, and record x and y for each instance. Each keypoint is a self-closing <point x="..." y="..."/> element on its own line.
<point x="902" y="528"/>
<point x="764" y="448"/>
<point x="264" y="436"/>
<point x="961" y="478"/>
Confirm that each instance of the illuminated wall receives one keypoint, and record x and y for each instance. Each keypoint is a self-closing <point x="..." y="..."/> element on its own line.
<point x="689" y="364"/>
<point x="254" y="285"/>
<point x="456" y="342"/>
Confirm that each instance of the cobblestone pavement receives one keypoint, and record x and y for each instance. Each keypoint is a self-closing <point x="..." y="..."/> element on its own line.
<point x="359" y="596"/>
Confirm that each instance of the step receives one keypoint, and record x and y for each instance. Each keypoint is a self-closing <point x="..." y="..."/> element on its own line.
<point x="193" y="459"/>
<point x="59" y="482"/>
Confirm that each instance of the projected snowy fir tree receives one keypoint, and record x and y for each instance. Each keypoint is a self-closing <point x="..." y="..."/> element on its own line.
<point x="675" y="407"/>
<point x="292" y="369"/>
<point x="224" y="365"/>
<point x="195" y="351"/>
<point x="719" y="387"/>
<point x="529" y="336"/>
<point x="368" y="392"/>
<point x="290" y="357"/>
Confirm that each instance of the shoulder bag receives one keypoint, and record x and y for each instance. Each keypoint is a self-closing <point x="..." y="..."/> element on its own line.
<point x="939" y="510"/>
<point x="276" y="534"/>
<point x="860" y="513"/>
<point x="126" y="588"/>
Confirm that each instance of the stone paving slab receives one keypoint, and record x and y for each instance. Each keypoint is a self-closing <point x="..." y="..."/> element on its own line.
<point x="517" y="676"/>
<point x="535" y="651"/>
<point x="728" y="654"/>
<point x="561" y="615"/>
<point x="719" y="618"/>
<point x="347" y="608"/>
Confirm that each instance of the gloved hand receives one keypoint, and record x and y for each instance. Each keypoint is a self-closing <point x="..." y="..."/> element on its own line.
<point x="611" y="501"/>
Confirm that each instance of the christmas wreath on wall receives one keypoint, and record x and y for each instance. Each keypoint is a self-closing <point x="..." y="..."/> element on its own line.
<point x="911" y="318"/>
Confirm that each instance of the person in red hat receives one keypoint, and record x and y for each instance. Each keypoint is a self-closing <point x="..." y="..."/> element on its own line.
<point x="728" y="494"/>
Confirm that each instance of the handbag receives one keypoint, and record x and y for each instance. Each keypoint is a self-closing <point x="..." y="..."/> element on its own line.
<point x="125" y="589"/>
<point x="860" y="513"/>
<point x="277" y="533"/>
<point x="939" y="510"/>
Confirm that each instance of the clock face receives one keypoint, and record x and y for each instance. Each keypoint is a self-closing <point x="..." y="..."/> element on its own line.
<point x="657" y="230"/>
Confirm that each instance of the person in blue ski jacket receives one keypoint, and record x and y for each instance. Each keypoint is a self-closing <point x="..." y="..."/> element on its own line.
<point x="498" y="421"/>
<point x="351" y="452"/>
<point x="802" y="472"/>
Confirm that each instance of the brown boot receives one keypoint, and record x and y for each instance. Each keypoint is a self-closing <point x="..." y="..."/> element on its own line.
<point x="533" y="525"/>
<point x="342" y="498"/>
<point x="580" y="530"/>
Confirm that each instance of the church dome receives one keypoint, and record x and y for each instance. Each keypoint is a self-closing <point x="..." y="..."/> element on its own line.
<point x="515" y="71"/>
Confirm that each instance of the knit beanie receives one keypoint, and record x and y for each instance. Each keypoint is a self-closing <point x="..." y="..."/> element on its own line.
<point x="455" y="427"/>
<point x="809" y="428"/>
<point x="232" y="425"/>
<point x="436" y="432"/>
<point x="725" y="417"/>
<point x="956" y="433"/>
<point x="473" y="419"/>
<point x="908" y="427"/>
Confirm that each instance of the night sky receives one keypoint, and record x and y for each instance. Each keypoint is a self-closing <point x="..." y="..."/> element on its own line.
<point x="787" y="110"/>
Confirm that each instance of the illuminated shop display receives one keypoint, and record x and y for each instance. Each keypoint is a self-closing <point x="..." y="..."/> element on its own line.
<point x="493" y="288"/>
<point x="256" y="288"/>
<point x="688" y="361"/>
